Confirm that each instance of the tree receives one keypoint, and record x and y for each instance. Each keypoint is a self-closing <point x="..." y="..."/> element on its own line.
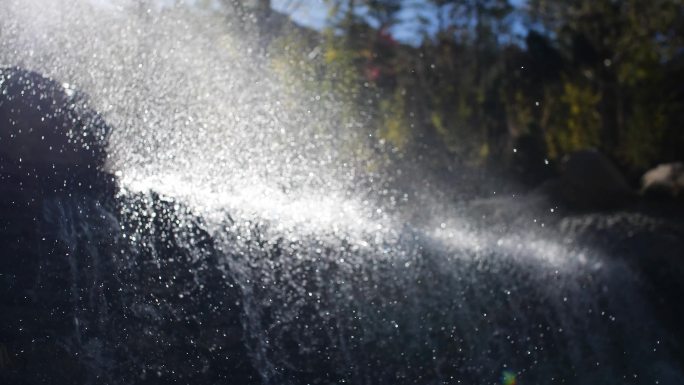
<point x="617" y="49"/>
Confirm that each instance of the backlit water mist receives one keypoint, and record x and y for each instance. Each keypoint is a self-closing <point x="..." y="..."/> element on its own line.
<point x="253" y="235"/>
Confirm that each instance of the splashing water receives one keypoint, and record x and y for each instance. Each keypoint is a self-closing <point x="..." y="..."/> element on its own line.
<point x="198" y="115"/>
<point x="335" y="287"/>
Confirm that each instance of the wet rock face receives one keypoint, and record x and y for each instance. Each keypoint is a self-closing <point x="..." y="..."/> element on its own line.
<point x="92" y="292"/>
<point x="47" y="131"/>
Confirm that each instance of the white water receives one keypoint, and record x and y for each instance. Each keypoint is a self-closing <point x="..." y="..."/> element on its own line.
<point x="202" y="117"/>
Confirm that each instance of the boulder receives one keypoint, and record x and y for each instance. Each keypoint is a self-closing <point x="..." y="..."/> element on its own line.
<point x="665" y="180"/>
<point x="47" y="130"/>
<point x="97" y="287"/>
<point x="589" y="181"/>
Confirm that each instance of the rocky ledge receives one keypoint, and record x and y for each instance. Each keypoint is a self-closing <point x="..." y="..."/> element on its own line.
<point x="81" y="300"/>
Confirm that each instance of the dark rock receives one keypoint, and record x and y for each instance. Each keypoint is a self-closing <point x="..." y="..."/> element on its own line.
<point x="47" y="132"/>
<point x="651" y="240"/>
<point x="92" y="292"/>
<point x="589" y="181"/>
<point x="665" y="180"/>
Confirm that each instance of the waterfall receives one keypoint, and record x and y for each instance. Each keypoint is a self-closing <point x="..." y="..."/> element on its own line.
<point x="246" y="231"/>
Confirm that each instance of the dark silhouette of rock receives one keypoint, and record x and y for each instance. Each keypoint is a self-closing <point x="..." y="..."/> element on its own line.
<point x="92" y="292"/>
<point x="588" y="181"/>
<point x="47" y="131"/>
<point x="665" y="180"/>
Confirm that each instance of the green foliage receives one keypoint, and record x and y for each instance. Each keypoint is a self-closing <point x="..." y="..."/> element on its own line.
<point x="617" y="55"/>
<point x="394" y="127"/>
<point x="581" y="125"/>
<point x="590" y="73"/>
<point x="642" y="140"/>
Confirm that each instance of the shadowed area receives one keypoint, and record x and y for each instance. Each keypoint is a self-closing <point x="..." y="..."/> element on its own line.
<point x="81" y="302"/>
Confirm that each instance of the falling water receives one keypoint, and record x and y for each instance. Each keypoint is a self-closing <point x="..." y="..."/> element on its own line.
<point x="335" y="285"/>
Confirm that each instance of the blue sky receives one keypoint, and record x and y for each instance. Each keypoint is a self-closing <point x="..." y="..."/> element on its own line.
<point x="313" y="14"/>
<point x="309" y="13"/>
